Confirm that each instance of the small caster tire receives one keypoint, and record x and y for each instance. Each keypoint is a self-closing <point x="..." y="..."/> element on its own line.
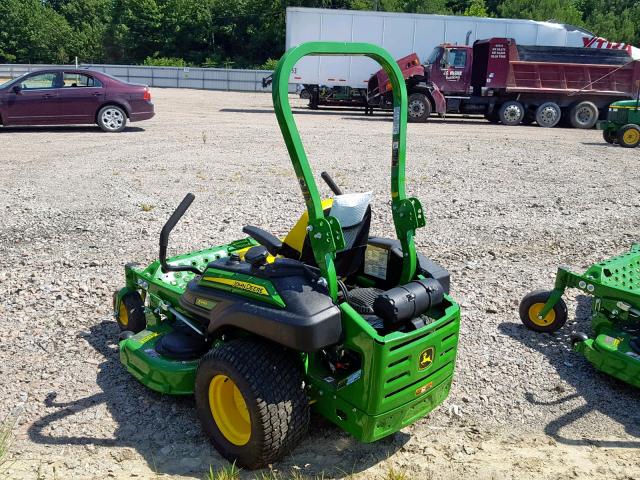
<point x="532" y="304"/>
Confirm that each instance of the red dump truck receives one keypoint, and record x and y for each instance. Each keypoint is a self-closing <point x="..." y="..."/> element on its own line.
<point x="513" y="84"/>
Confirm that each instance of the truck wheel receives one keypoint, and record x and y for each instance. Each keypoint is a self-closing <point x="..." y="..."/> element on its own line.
<point x="532" y="304"/>
<point x="419" y="108"/>
<point x="304" y="94"/>
<point x="629" y="136"/>
<point x="511" y="113"/>
<point x="251" y="401"/>
<point x="584" y="115"/>
<point x="610" y="136"/>
<point x="548" y="115"/>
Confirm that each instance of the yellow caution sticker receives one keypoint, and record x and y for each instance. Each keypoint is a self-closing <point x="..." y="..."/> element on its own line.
<point x="148" y="337"/>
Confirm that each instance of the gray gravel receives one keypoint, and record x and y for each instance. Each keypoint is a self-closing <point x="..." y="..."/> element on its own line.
<point x="505" y="206"/>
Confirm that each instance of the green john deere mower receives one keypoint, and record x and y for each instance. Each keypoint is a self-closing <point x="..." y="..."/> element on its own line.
<point x="613" y="346"/>
<point x="622" y="125"/>
<point x="261" y="330"/>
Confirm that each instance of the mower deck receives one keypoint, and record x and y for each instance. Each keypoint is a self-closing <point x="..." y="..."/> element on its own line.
<point x="615" y="322"/>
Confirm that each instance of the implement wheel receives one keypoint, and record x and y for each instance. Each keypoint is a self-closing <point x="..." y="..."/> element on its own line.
<point x="629" y="136"/>
<point x="532" y="304"/>
<point x="251" y="402"/>
<point x="129" y="312"/>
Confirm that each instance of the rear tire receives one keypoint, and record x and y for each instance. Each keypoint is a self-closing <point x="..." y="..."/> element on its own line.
<point x="629" y="136"/>
<point x="511" y="113"/>
<point x="419" y="108"/>
<point x="263" y="412"/>
<point x="584" y="115"/>
<point x="112" y="119"/>
<point x="548" y="115"/>
<point x="532" y="303"/>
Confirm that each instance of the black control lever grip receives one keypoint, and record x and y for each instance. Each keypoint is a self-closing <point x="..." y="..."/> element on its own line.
<point x="332" y="185"/>
<point x="164" y="237"/>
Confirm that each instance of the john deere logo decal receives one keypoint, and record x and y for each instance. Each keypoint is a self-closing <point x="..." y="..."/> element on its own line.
<point x="426" y="358"/>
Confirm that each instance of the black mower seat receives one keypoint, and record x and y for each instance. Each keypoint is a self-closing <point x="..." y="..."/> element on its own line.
<point x="356" y="223"/>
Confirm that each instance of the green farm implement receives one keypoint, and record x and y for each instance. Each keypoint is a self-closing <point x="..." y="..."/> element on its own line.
<point x="622" y="125"/>
<point x="613" y="346"/>
<point x="359" y="328"/>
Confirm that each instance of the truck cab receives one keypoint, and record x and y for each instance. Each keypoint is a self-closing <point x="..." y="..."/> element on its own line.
<point x="449" y="67"/>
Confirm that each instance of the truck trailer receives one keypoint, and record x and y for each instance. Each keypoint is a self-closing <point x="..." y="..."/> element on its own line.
<point x="404" y="33"/>
<point x="511" y="83"/>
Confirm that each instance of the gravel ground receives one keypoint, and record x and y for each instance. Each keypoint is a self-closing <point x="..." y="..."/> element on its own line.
<point x="505" y="206"/>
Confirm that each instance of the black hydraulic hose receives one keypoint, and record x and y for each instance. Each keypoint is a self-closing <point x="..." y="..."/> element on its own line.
<point x="164" y="237"/>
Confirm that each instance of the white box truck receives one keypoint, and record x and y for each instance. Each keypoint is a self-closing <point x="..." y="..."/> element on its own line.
<point x="405" y="33"/>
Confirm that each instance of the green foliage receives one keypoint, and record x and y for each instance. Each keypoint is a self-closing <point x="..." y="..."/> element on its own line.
<point x="477" y="8"/>
<point x="31" y="31"/>
<point x="230" y="472"/>
<point x="270" y="64"/>
<point x="164" y="62"/>
<point x="240" y="33"/>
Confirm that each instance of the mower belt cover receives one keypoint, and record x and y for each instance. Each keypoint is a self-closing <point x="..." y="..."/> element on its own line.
<point x="611" y="353"/>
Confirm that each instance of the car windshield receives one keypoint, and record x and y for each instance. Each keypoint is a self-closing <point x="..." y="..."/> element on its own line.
<point x="7" y="82"/>
<point x="433" y="56"/>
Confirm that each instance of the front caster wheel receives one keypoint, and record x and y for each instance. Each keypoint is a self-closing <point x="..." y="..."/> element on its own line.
<point x="531" y="306"/>
<point x="251" y="402"/>
<point x="129" y="312"/>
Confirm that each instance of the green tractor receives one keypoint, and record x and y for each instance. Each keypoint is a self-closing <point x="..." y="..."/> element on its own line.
<point x="614" y="344"/>
<point x="622" y="125"/>
<point x="359" y="328"/>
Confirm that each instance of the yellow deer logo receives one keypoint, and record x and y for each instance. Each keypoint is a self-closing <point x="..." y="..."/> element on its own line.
<point x="426" y="358"/>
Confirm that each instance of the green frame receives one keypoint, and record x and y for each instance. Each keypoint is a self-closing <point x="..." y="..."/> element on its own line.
<point x="325" y="234"/>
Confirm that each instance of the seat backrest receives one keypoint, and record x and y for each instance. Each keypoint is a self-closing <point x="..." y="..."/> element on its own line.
<point x="353" y="211"/>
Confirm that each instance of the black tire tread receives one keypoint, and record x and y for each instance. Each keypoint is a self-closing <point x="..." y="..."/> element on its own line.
<point x="135" y="306"/>
<point x="275" y="378"/>
<point x="541" y="296"/>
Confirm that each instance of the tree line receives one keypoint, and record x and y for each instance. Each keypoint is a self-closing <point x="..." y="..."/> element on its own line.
<point x="240" y="33"/>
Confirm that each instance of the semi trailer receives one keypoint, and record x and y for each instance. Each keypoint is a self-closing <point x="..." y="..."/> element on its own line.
<point x="402" y="34"/>
<point x="511" y="83"/>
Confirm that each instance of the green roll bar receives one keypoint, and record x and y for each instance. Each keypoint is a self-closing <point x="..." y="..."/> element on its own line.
<point x="325" y="233"/>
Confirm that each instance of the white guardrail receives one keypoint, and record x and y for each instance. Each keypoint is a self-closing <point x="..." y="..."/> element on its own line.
<point x="229" y="79"/>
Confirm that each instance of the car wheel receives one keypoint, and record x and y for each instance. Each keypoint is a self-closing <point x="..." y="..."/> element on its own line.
<point x="629" y="136"/>
<point x="584" y="115"/>
<point x="548" y="115"/>
<point x="511" y="113"/>
<point x="419" y="108"/>
<point x="112" y="119"/>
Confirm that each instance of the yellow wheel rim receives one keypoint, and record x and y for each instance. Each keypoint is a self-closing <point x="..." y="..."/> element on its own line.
<point x="631" y="136"/>
<point x="123" y="314"/>
<point x="229" y="410"/>
<point x="535" y="309"/>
